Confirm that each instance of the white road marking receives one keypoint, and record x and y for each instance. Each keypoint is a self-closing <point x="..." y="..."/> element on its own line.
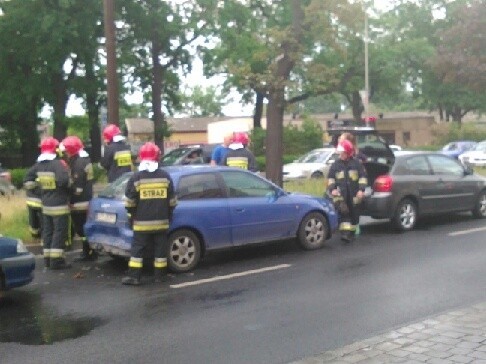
<point x="230" y="276"/>
<point x="469" y="231"/>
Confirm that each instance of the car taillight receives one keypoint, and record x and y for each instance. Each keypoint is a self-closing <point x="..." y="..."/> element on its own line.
<point x="383" y="184"/>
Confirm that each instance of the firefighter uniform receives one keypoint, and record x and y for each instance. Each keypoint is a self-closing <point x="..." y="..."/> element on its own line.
<point x="34" y="208"/>
<point x="117" y="156"/>
<point x="238" y="156"/>
<point x="81" y="190"/>
<point x="150" y="200"/>
<point x="348" y="177"/>
<point x="52" y="175"/>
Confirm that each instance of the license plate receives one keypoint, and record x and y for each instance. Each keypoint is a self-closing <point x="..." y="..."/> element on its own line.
<point x="106" y="217"/>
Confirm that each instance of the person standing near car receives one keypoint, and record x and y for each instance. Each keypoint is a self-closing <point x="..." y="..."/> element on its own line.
<point x="34" y="209"/>
<point x="150" y="201"/>
<point x="346" y="185"/>
<point x="220" y="151"/>
<point x="52" y="175"/>
<point x="117" y="156"/>
<point x="238" y="155"/>
<point x="81" y="191"/>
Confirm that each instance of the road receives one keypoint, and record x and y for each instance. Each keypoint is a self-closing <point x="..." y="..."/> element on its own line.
<point x="268" y="304"/>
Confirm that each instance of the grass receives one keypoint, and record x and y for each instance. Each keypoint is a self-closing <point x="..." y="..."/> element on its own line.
<point x="14" y="221"/>
<point x="313" y="186"/>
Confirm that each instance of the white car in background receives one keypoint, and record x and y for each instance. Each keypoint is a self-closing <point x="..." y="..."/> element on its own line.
<point x="475" y="157"/>
<point x="314" y="164"/>
<point x="395" y="148"/>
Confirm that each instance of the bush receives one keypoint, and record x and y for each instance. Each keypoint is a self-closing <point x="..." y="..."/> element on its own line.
<point x="261" y="161"/>
<point x="18" y="175"/>
<point x="465" y="131"/>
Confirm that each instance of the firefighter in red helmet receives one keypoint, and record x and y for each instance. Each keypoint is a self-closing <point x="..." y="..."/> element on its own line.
<point x="117" y="157"/>
<point x="82" y="189"/>
<point x="346" y="185"/>
<point x="52" y="175"/>
<point x="149" y="200"/>
<point x="238" y="155"/>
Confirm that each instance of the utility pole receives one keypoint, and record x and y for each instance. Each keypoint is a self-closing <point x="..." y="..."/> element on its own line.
<point x="111" y="76"/>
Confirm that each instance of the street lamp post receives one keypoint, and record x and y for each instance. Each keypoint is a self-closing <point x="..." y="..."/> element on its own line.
<point x="367" y="81"/>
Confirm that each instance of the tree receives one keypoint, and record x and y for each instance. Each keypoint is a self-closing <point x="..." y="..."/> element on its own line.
<point x="276" y="46"/>
<point x="202" y="102"/>
<point x="154" y="42"/>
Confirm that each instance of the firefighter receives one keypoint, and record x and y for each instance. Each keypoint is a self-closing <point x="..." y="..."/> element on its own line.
<point x="52" y="175"/>
<point x="117" y="157"/>
<point x="81" y="191"/>
<point x="150" y="200"/>
<point x="346" y="185"/>
<point x="238" y="155"/>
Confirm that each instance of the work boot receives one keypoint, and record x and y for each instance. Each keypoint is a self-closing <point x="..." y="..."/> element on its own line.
<point x="160" y="275"/>
<point x="88" y="254"/>
<point x="59" y="263"/>
<point x="133" y="277"/>
<point x="346" y="236"/>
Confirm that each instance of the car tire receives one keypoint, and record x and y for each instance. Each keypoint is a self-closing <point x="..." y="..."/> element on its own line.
<point x="184" y="251"/>
<point x="317" y="174"/>
<point x="406" y="214"/>
<point x="479" y="210"/>
<point x="313" y="231"/>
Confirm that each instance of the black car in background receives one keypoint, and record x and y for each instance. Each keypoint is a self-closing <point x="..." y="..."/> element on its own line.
<point x="424" y="183"/>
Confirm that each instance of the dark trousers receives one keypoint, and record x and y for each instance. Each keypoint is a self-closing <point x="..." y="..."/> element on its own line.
<point x="349" y="220"/>
<point x="142" y="240"/>
<point x="35" y="221"/>
<point x="55" y="234"/>
<point x="79" y="219"/>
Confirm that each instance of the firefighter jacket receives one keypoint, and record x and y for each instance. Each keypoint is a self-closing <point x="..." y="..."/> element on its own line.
<point x="82" y="182"/>
<point x="52" y="176"/>
<point x="150" y="200"/>
<point x="117" y="159"/>
<point x="33" y="198"/>
<point x="240" y="158"/>
<point x="349" y="177"/>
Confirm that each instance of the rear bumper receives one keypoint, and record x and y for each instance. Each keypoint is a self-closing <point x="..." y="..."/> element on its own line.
<point x="378" y="205"/>
<point x="18" y="271"/>
<point x="111" y="239"/>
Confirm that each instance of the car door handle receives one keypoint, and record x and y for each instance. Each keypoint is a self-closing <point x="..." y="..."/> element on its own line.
<point x="240" y="209"/>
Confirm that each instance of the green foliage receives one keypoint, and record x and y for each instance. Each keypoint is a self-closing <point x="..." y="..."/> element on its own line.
<point x="261" y="160"/>
<point x="202" y="102"/>
<point x="311" y="186"/>
<point x="296" y="140"/>
<point x="79" y="126"/>
<point x="99" y="174"/>
<point x="466" y="131"/>
<point x="18" y="175"/>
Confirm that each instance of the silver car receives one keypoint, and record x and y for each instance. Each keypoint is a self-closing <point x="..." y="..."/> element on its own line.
<point x="424" y="183"/>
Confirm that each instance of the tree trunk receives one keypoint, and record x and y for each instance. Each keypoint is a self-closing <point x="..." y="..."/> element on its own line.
<point x="93" y="113"/>
<point x="157" y="96"/>
<point x="274" y="137"/>
<point x="30" y="137"/>
<point x="357" y="106"/>
<point x="257" y="118"/>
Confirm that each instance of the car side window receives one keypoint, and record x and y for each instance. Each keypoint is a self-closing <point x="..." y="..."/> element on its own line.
<point x="243" y="184"/>
<point x="445" y="166"/>
<point x="199" y="186"/>
<point x="417" y="166"/>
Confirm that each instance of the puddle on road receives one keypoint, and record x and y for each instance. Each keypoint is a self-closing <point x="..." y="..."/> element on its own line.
<point x="23" y="320"/>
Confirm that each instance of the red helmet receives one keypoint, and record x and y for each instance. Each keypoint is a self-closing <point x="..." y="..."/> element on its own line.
<point x="49" y="145"/>
<point x="346" y="146"/>
<point x="240" y="138"/>
<point x="72" y="145"/>
<point x="149" y="152"/>
<point x="110" y="131"/>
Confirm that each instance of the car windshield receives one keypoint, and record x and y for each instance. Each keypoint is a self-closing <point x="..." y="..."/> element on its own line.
<point x="173" y="156"/>
<point x="314" y="157"/>
<point x="480" y="147"/>
<point x="116" y="189"/>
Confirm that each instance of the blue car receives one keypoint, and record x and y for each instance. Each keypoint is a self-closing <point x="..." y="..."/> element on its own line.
<point x="218" y="208"/>
<point x="17" y="265"/>
<point x="455" y="149"/>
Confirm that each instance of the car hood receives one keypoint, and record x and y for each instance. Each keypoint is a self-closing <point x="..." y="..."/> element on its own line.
<point x="474" y="153"/>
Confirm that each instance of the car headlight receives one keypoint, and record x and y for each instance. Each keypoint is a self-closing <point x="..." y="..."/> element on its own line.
<point x="21" y="247"/>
